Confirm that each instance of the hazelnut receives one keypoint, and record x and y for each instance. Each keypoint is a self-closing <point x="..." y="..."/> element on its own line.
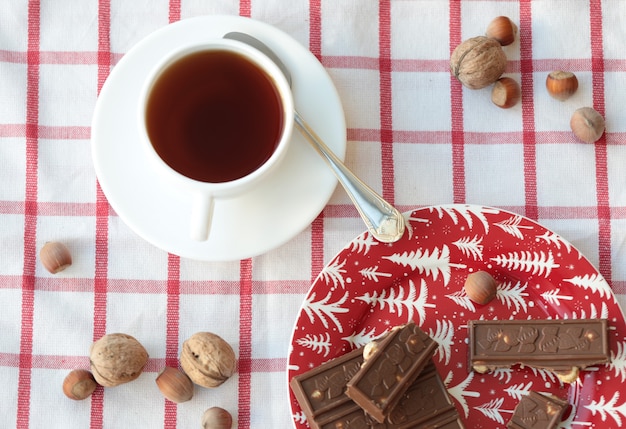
<point x="502" y="29"/>
<point x="207" y="359"/>
<point x="506" y="93"/>
<point x="79" y="384"/>
<point x="175" y="385"/>
<point x="117" y="359"/>
<point x="481" y="287"/>
<point x="55" y="257"/>
<point x="561" y="84"/>
<point x="217" y="418"/>
<point x="369" y="350"/>
<point x="587" y="124"/>
<point x="478" y="62"/>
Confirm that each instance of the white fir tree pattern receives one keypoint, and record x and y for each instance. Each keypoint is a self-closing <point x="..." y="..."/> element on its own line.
<point x="460" y="298"/>
<point x="325" y="309"/>
<point x="460" y="392"/>
<point x="372" y="273"/>
<point x="517" y="391"/>
<point x="618" y="361"/>
<point x="593" y="282"/>
<point x="362" y="338"/>
<point x="363" y="243"/>
<point x="609" y="408"/>
<point x="317" y="343"/>
<point x="334" y="272"/>
<point x="512" y="226"/>
<point x="299" y="417"/>
<point x="493" y="409"/>
<point x="409" y="224"/>
<point x="536" y="263"/>
<point x="513" y="295"/>
<point x="467" y="212"/>
<point x="555" y="239"/>
<point x="593" y="313"/>
<point x="555" y="297"/>
<point x="433" y="263"/>
<point x="443" y="336"/>
<point x="471" y="247"/>
<point x="400" y="298"/>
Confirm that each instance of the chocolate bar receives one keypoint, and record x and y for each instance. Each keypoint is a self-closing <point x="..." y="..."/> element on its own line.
<point x="387" y="374"/>
<point x="537" y="411"/>
<point x="321" y="391"/>
<point x="425" y="404"/>
<point x="561" y="346"/>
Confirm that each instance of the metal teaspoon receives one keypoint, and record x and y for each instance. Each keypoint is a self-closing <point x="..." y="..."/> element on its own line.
<point x="384" y="221"/>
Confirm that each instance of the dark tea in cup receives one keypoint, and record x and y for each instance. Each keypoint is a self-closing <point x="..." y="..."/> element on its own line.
<point x="214" y="116"/>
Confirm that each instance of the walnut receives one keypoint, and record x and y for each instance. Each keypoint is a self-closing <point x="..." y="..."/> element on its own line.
<point x="478" y="62"/>
<point x="207" y="359"/>
<point x="116" y="359"/>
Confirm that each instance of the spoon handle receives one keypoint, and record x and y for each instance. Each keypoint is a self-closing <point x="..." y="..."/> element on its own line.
<point x="383" y="220"/>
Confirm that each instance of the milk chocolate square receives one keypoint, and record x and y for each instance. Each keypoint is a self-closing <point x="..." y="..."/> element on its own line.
<point x="537" y="411"/>
<point x="391" y="369"/>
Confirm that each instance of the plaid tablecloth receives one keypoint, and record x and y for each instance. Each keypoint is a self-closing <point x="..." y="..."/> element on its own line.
<point x="414" y="134"/>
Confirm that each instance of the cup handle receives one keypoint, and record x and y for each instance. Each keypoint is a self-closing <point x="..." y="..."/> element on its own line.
<point x="201" y="217"/>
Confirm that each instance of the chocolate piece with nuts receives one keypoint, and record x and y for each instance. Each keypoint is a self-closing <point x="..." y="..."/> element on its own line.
<point x="537" y="411"/>
<point x="321" y="391"/>
<point x="561" y="346"/>
<point x="392" y="368"/>
<point x="425" y="404"/>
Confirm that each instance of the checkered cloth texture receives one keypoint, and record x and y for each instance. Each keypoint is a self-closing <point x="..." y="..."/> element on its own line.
<point x="414" y="134"/>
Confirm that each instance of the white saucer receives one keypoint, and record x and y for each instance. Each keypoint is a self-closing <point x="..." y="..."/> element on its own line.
<point x="284" y="204"/>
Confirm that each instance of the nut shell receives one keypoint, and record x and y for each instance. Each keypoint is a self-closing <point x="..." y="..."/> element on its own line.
<point x="117" y="359"/>
<point x="587" y="124"/>
<point x="502" y="29"/>
<point x="561" y="84"/>
<point x="207" y="359"/>
<point x="478" y="62"/>
<point x="506" y="93"/>
<point x="79" y="384"/>
<point x="481" y="287"/>
<point x="175" y="385"/>
<point x="216" y="418"/>
<point x="55" y="257"/>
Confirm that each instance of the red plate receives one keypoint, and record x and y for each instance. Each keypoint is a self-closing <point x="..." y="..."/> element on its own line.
<point x="369" y="287"/>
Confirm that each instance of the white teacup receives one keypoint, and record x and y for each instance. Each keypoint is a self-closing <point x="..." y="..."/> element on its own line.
<point x="215" y="118"/>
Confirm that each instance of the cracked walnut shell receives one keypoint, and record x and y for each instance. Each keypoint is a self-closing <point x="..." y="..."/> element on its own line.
<point x="116" y="359"/>
<point x="478" y="62"/>
<point x="207" y="359"/>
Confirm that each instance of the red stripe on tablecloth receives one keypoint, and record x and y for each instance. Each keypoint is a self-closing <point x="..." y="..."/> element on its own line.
<point x="317" y="227"/>
<point x="528" y="110"/>
<point x="47" y="131"/>
<point x="171" y="335"/>
<point x="30" y="217"/>
<point x="354" y="134"/>
<point x="245" y="342"/>
<point x="456" y="111"/>
<point x="315" y="28"/>
<point x="332" y="61"/>
<point x="170" y="412"/>
<point x="602" y="176"/>
<point x="174" y="11"/>
<point x="102" y="217"/>
<point x="245" y="8"/>
<point x="386" y="100"/>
